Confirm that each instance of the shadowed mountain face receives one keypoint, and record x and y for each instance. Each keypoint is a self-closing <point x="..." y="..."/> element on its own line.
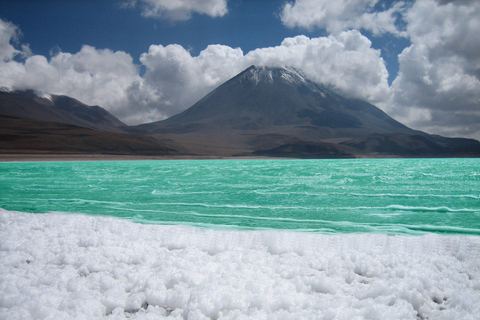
<point x="60" y="109"/>
<point x="278" y="112"/>
<point x="271" y="100"/>
<point x="43" y="137"/>
<point x="62" y="125"/>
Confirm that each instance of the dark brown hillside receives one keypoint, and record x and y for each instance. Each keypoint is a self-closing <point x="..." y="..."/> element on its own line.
<point x="34" y="136"/>
<point x="61" y="109"/>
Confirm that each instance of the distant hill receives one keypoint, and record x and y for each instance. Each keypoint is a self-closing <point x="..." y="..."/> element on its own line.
<point x="278" y="112"/>
<point x="29" y="104"/>
<point x="54" y="124"/>
<point x="43" y="137"/>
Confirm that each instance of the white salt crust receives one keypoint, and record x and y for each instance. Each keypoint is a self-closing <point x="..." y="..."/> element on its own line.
<point x="62" y="266"/>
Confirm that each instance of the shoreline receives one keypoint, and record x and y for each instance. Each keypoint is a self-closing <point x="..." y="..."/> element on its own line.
<point x="70" y="157"/>
<point x="52" y="157"/>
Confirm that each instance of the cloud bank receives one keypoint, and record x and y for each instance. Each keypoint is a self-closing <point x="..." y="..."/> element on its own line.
<point x="347" y="63"/>
<point x="174" y="79"/>
<point x="437" y="88"/>
<point x="438" y="85"/>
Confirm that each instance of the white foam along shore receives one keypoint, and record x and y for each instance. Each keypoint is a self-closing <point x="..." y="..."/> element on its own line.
<point x="63" y="266"/>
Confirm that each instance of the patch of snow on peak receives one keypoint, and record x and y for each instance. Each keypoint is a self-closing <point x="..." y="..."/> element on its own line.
<point x="271" y="74"/>
<point x="262" y="74"/>
<point x="43" y="95"/>
<point x="5" y="89"/>
<point x="46" y="96"/>
<point x="293" y="76"/>
<point x="287" y="75"/>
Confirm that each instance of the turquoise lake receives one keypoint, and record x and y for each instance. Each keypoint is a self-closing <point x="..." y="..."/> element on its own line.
<point x="394" y="196"/>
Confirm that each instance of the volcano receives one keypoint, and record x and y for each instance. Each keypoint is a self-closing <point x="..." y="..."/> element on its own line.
<point x="279" y="112"/>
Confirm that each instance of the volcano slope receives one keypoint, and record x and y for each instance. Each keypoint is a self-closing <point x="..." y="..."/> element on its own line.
<point x="266" y="111"/>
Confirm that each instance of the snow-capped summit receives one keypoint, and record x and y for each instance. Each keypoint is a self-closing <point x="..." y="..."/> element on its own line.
<point x="284" y="76"/>
<point x="271" y="75"/>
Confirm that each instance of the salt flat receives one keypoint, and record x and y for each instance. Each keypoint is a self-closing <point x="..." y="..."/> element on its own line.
<point x="65" y="266"/>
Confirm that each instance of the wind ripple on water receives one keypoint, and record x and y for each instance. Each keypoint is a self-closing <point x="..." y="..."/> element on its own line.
<point x="392" y="195"/>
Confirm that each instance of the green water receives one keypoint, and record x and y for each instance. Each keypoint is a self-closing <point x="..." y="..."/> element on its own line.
<point x="396" y="196"/>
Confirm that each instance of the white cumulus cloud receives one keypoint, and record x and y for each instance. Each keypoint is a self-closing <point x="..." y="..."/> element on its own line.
<point x="440" y="72"/>
<point x="347" y="63"/>
<point x="339" y="15"/>
<point x="174" y="79"/>
<point x="8" y="33"/>
<point x="180" y="10"/>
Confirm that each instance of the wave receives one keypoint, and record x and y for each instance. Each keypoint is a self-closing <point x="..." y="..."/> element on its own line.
<point x="304" y="225"/>
<point x="400" y="195"/>
<point x="231" y="206"/>
<point x="252" y="217"/>
<point x="290" y="193"/>
<point x="394" y="207"/>
<point x="180" y="193"/>
<point x="81" y="201"/>
<point x="401" y="208"/>
<point x="431" y="209"/>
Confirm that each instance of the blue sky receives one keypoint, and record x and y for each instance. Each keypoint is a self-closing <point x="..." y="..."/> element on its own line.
<point x="145" y="60"/>
<point x="48" y="26"/>
<point x="105" y="24"/>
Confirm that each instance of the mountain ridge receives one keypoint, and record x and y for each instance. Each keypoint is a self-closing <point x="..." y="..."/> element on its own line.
<point x="36" y="123"/>
<point x="262" y="111"/>
<point x="34" y="105"/>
